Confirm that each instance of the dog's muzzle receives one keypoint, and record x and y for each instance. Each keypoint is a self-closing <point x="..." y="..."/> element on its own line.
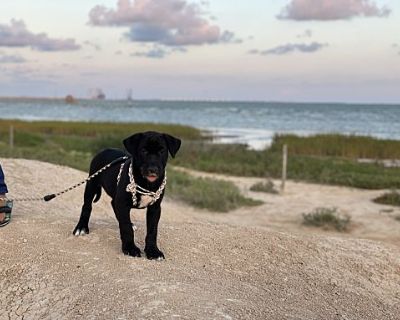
<point x="151" y="174"/>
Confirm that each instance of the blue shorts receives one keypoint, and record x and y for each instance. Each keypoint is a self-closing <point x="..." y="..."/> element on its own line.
<point x="3" y="186"/>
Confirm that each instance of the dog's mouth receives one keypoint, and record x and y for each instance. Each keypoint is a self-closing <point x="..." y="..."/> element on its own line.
<point x="152" y="177"/>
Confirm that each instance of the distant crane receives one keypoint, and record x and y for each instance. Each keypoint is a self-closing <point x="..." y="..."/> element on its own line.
<point x="129" y="95"/>
<point x="97" y="94"/>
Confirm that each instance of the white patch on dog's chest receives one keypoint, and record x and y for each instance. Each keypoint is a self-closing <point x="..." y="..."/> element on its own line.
<point x="145" y="201"/>
<point x="147" y="197"/>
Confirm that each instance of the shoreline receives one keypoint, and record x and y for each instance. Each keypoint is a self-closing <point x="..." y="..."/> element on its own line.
<point x="277" y="102"/>
<point x="251" y="123"/>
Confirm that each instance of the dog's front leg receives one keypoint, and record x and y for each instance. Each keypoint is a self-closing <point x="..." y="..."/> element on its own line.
<point x="152" y="218"/>
<point x="122" y="213"/>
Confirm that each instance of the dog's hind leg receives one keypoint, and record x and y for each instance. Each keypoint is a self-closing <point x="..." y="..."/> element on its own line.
<point x="92" y="194"/>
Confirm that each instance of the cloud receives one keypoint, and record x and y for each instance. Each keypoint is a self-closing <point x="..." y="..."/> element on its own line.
<point x="306" y="34"/>
<point x="167" y="22"/>
<point x="155" y="53"/>
<point x="331" y="9"/>
<point x="92" y="45"/>
<point x="158" y="52"/>
<point x="4" y="58"/>
<point x="291" y="47"/>
<point x="17" y="35"/>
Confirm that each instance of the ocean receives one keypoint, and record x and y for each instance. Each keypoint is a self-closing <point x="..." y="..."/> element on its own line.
<point x="252" y="123"/>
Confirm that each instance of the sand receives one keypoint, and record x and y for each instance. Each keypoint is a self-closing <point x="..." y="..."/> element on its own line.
<point x="253" y="263"/>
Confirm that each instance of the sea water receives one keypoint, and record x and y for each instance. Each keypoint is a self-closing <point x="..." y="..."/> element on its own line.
<point x="252" y="123"/>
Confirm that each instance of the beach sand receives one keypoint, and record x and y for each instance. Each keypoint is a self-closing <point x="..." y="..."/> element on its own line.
<point x="252" y="263"/>
<point x="283" y="212"/>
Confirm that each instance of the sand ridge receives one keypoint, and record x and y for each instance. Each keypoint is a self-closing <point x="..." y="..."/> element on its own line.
<point x="215" y="269"/>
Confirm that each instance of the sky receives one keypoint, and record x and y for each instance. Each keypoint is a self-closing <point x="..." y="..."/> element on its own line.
<point x="256" y="50"/>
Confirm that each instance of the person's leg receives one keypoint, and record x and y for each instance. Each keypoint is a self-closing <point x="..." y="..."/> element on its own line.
<point x="3" y="186"/>
<point x="3" y="191"/>
<point x="2" y="214"/>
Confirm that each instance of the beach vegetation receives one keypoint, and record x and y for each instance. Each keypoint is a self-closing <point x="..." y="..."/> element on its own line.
<point x="97" y="129"/>
<point x="266" y="186"/>
<point x="391" y="198"/>
<point x="327" y="218"/>
<point x="74" y="143"/>
<point x="206" y="193"/>
<point x="339" y="146"/>
<point x="240" y="161"/>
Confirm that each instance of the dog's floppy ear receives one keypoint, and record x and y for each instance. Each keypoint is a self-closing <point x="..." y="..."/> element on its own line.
<point x="173" y="144"/>
<point x="132" y="143"/>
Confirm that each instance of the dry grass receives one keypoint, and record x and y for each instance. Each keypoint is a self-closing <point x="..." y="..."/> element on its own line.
<point x="267" y="187"/>
<point x="390" y="198"/>
<point x="327" y="218"/>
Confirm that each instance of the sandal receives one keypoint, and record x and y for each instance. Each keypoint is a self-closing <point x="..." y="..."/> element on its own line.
<point x="5" y="211"/>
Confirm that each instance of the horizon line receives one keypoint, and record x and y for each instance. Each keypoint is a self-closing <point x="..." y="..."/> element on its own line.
<point x="214" y="100"/>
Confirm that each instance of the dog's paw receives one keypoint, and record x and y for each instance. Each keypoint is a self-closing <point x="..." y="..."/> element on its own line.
<point x="80" y="230"/>
<point x="132" y="251"/>
<point x="154" y="254"/>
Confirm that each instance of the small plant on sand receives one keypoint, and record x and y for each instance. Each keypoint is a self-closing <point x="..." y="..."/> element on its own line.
<point x="267" y="186"/>
<point x="327" y="218"/>
<point x="206" y="193"/>
<point x="390" y="198"/>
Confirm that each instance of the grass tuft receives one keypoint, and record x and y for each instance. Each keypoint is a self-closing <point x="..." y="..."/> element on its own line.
<point x="206" y="193"/>
<point x="327" y="218"/>
<point x="267" y="187"/>
<point x="391" y="198"/>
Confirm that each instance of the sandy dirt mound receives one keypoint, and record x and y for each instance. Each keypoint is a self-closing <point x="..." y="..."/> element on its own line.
<point x="212" y="271"/>
<point x="283" y="212"/>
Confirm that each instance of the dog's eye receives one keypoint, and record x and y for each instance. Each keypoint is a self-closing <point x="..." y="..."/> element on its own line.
<point x="144" y="151"/>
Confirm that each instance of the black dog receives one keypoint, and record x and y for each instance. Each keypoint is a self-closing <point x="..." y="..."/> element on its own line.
<point x="149" y="155"/>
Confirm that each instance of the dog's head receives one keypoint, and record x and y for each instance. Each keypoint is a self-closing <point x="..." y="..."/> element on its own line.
<point x="149" y="152"/>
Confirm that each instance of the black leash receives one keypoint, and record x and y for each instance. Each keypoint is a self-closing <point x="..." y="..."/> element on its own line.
<point x="53" y="195"/>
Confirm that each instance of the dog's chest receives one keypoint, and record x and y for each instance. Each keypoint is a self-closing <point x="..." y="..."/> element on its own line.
<point x="141" y="197"/>
<point x="144" y="201"/>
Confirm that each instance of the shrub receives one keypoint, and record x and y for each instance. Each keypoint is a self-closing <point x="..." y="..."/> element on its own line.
<point x="391" y="198"/>
<point x="267" y="187"/>
<point x="206" y="193"/>
<point x="327" y="218"/>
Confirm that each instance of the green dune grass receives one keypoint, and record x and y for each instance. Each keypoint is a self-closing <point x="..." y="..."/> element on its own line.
<point x="337" y="145"/>
<point x="237" y="160"/>
<point x="391" y="198"/>
<point x="327" y="159"/>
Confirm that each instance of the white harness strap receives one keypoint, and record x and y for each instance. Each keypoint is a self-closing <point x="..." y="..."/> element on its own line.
<point x="120" y="173"/>
<point x="147" y="197"/>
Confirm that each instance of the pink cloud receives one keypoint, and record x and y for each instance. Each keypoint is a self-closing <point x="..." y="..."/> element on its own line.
<point x="168" y="22"/>
<point x="290" y="48"/>
<point x="17" y="35"/>
<point x="331" y="9"/>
